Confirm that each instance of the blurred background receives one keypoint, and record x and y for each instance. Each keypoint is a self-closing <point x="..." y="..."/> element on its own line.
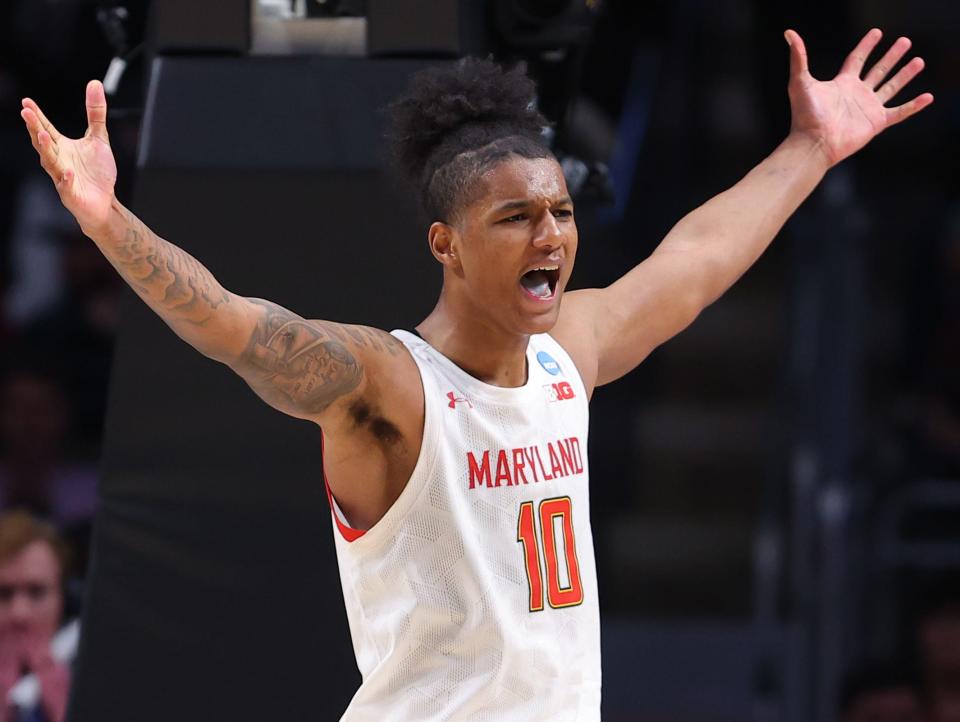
<point x="776" y="492"/>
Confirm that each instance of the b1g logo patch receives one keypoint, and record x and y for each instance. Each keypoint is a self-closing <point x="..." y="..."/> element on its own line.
<point x="559" y="391"/>
<point x="548" y="363"/>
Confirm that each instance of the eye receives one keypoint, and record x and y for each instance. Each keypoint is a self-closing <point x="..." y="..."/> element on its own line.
<point x="563" y="213"/>
<point x="515" y="218"/>
<point x="36" y="592"/>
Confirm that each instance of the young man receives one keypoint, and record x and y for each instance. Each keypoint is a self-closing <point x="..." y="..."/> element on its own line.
<point x="456" y="459"/>
<point x="32" y="569"/>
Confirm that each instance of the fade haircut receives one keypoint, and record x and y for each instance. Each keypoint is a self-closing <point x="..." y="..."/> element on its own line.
<point x="456" y="122"/>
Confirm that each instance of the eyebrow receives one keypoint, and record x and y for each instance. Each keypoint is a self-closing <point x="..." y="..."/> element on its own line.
<point x="520" y="203"/>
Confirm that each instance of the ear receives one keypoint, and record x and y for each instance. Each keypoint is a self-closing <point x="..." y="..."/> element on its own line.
<point x="444" y="239"/>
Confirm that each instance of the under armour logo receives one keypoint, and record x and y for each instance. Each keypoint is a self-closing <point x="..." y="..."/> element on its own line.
<point x="454" y="400"/>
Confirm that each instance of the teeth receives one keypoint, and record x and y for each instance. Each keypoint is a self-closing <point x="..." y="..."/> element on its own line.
<point x="546" y="268"/>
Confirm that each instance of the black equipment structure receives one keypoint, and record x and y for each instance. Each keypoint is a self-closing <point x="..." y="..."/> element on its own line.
<point x="214" y="592"/>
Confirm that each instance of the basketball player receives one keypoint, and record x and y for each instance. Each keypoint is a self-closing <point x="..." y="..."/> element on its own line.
<point x="456" y="456"/>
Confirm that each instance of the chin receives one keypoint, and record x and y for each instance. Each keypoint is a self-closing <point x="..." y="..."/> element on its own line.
<point x="542" y="322"/>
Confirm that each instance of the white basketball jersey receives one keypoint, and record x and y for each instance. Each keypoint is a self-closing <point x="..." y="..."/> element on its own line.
<point x="475" y="596"/>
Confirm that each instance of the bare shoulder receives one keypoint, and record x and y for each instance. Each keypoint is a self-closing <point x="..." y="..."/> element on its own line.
<point x="576" y="332"/>
<point x="378" y="350"/>
<point x="387" y="407"/>
<point x="359" y="384"/>
<point x="315" y="369"/>
<point x="373" y="443"/>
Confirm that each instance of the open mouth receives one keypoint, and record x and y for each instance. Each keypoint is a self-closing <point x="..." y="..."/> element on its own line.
<point x="541" y="282"/>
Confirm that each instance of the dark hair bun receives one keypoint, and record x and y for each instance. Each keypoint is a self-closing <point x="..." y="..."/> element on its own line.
<point x="442" y="100"/>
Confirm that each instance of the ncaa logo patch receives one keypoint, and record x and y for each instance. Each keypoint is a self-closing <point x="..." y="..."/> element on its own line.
<point x="548" y="363"/>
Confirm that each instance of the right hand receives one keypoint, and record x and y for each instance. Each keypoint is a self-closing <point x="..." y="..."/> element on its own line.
<point x="54" y="677"/>
<point x="25" y="652"/>
<point x="83" y="170"/>
<point x="11" y="666"/>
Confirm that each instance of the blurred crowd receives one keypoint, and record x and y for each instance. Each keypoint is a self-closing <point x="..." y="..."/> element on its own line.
<point x="59" y="301"/>
<point x="923" y="685"/>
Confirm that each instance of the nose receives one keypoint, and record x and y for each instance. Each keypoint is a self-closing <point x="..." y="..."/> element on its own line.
<point x="548" y="234"/>
<point x="21" y="608"/>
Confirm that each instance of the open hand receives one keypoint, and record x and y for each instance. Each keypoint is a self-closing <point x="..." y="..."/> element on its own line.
<point x="83" y="170"/>
<point x="26" y="652"/>
<point x="847" y="112"/>
<point x="54" y="677"/>
<point x="11" y="666"/>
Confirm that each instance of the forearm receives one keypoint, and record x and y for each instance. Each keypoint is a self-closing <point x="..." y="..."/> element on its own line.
<point x="298" y="366"/>
<point x="174" y="284"/>
<point x="728" y="233"/>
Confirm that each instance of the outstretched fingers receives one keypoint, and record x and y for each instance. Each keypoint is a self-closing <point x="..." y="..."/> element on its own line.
<point x="44" y="144"/>
<point x="798" y="54"/>
<point x="96" y="110"/>
<point x="899" y="81"/>
<point x="853" y="65"/>
<point x="44" y="123"/>
<point x="902" y="112"/>
<point x="882" y="67"/>
<point x="874" y="79"/>
<point x="33" y="127"/>
<point x="39" y="136"/>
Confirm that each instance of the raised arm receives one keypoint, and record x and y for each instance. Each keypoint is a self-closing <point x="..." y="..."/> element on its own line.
<point x="711" y="247"/>
<point x="298" y="366"/>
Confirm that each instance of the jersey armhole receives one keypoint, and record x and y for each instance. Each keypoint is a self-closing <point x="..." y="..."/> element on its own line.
<point x="422" y="471"/>
<point x="576" y="369"/>
<point x="346" y="531"/>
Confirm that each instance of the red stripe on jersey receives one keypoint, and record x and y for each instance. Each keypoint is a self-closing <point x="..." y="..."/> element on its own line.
<point x="346" y="531"/>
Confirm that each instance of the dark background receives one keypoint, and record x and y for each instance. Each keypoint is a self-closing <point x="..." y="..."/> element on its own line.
<point x="774" y="491"/>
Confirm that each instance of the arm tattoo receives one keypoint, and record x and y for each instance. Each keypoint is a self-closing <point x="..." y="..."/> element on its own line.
<point x="295" y="364"/>
<point x="367" y="337"/>
<point x="171" y="280"/>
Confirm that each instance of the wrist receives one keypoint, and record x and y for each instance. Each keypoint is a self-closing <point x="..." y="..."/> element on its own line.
<point x="110" y="227"/>
<point x="813" y="146"/>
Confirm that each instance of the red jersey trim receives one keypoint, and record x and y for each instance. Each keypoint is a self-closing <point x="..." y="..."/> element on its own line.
<point x="346" y="531"/>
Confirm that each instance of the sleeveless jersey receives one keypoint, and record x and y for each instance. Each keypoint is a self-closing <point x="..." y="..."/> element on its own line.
<point x="475" y="596"/>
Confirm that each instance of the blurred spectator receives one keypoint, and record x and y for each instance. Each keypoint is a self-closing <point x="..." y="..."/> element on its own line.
<point x="35" y="250"/>
<point x="938" y="649"/>
<point x="83" y="320"/>
<point x="879" y="692"/>
<point x="34" y="657"/>
<point x="33" y="473"/>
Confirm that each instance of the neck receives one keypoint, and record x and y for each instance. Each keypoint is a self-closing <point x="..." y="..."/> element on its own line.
<point x="476" y="345"/>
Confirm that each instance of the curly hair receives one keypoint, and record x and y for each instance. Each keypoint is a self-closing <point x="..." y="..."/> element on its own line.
<point x="456" y="122"/>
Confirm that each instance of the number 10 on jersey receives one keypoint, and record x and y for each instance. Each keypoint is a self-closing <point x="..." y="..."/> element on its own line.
<point x="560" y="592"/>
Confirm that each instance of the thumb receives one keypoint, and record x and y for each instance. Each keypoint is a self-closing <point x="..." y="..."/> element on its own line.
<point x="798" y="54"/>
<point x="96" y="111"/>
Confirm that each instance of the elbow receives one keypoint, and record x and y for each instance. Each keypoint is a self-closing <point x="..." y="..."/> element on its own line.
<point x="690" y="309"/>
<point x="714" y="277"/>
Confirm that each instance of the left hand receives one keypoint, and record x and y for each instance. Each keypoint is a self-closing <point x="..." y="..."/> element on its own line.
<point x="846" y="113"/>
